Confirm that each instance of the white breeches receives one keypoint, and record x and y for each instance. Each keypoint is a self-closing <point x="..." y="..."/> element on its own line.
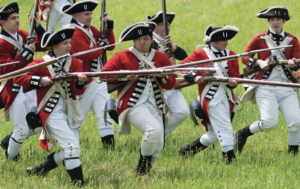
<point x="221" y="128"/>
<point x="269" y="99"/>
<point x="57" y="16"/>
<point x="58" y="127"/>
<point x="178" y="107"/>
<point x="148" y="120"/>
<point x="18" y="110"/>
<point x="94" y="98"/>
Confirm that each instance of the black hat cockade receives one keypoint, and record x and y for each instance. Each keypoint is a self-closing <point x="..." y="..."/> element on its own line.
<point x="80" y="6"/>
<point x="218" y="34"/>
<point x="137" y="30"/>
<point x="8" y="9"/>
<point x="52" y="38"/>
<point x="157" y="18"/>
<point x="276" y="11"/>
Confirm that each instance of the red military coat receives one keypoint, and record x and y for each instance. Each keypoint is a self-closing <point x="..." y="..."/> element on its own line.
<point x="126" y="60"/>
<point x="81" y="42"/>
<point x="233" y="71"/>
<point x="8" y="54"/>
<point x="258" y="43"/>
<point x="76" y="66"/>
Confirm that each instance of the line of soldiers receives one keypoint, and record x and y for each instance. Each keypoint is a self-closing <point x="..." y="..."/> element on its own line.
<point x="146" y="102"/>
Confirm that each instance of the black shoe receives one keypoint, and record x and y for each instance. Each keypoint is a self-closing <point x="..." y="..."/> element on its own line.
<point x="76" y="175"/>
<point x="293" y="149"/>
<point x="144" y="165"/>
<point x="229" y="155"/>
<point x="240" y="138"/>
<point x="192" y="148"/>
<point x="108" y="142"/>
<point x="5" y="141"/>
<point x="44" y="167"/>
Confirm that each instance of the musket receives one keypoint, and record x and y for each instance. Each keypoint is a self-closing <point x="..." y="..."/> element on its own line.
<point x="25" y="70"/>
<point x="10" y="63"/>
<point x="273" y="62"/>
<point x="130" y="73"/>
<point x="32" y="33"/>
<point x="103" y="30"/>
<point x="181" y="83"/>
<point x="111" y="87"/>
<point x="166" y="31"/>
<point x="225" y="58"/>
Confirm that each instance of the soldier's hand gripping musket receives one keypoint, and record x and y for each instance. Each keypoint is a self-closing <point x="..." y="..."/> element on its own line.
<point x="111" y="87"/>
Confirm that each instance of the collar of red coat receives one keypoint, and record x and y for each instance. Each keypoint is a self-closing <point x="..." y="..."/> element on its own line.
<point x="266" y="33"/>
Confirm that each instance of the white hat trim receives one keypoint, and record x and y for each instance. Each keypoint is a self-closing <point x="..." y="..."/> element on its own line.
<point x="8" y="5"/>
<point x="75" y="4"/>
<point x="227" y="27"/>
<point x="48" y="40"/>
<point x="146" y="24"/>
<point x="157" y="14"/>
<point x="269" y="9"/>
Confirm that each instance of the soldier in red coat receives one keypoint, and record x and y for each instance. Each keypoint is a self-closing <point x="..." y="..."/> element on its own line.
<point x="13" y="47"/>
<point x="269" y="98"/>
<point x="59" y="110"/>
<point x="140" y="103"/>
<point x="217" y="99"/>
<point x="87" y="37"/>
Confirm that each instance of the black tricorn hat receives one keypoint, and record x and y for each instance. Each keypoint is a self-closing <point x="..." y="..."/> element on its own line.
<point x="51" y="38"/>
<point x="276" y="11"/>
<point x="137" y="30"/>
<point x="8" y="9"/>
<point x="159" y="17"/>
<point x="81" y="6"/>
<point x="218" y="34"/>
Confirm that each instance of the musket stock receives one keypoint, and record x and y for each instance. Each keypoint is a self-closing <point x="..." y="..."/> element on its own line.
<point x="248" y="71"/>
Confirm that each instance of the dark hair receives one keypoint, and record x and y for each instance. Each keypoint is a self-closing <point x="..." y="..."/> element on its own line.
<point x="5" y="18"/>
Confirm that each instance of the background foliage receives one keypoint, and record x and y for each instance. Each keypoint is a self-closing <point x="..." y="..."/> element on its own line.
<point x="264" y="163"/>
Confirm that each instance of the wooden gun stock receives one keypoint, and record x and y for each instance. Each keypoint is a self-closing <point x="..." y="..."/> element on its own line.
<point x="248" y="71"/>
<point x="181" y="83"/>
<point x="111" y="87"/>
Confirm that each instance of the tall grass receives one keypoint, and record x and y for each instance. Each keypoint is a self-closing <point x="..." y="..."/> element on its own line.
<point x="264" y="162"/>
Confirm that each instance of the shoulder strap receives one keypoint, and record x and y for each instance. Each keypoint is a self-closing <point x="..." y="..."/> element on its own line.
<point x="142" y="58"/>
<point x="93" y="40"/>
<point x="13" y="42"/>
<point x="272" y="44"/>
<point x="211" y="55"/>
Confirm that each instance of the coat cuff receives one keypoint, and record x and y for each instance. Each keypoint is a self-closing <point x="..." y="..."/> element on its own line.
<point x="296" y="68"/>
<point x="162" y="80"/>
<point x="80" y="85"/>
<point x="190" y="76"/>
<point x="102" y="44"/>
<point x="110" y="24"/>
<point x="26" y="53"/>
<point x="173" y="48"/>
<point x="35" y="82"/>
<point x="40" y="30"/>
<point x="228" y="86"/>
<point x="251" y="63"/>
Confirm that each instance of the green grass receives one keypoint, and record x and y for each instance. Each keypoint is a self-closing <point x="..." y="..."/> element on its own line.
<point x="264" y="163"/>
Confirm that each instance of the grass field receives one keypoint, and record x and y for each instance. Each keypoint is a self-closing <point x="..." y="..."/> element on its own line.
<point x="264" y="162"/>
